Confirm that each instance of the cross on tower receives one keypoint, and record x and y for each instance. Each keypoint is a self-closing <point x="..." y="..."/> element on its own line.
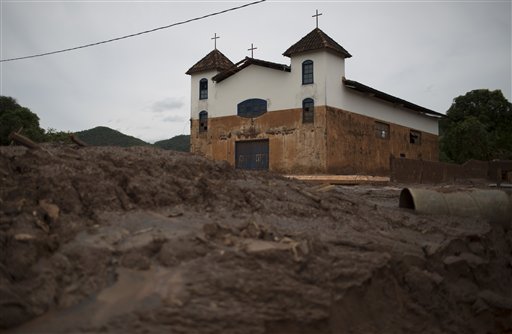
<point x="252" y="50"/>
<point x="316" y="17"/>
<point x="215" y="38"/>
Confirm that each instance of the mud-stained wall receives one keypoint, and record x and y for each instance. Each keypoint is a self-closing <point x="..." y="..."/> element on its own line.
<point x="354" y="146"/>
<point x="294" y="147"/>
<point x="338" y="142"/>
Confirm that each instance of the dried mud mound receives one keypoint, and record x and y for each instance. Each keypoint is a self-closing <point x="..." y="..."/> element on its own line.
<point x="145" y="240"/>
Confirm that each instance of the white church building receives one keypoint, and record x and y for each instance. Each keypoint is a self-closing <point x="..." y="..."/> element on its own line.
<point x="305" y="116"/>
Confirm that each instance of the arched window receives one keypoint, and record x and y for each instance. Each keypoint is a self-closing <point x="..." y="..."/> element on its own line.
<point x="203" y="89"/>
<point x="308" y="111"/>
<point x="252" y="108"/>
<point x="307" y="72"/>
<point x="203" y="121"/>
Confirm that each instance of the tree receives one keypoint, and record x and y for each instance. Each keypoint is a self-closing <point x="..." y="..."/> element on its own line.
<point x="55" y="136"/>
<point x="478" y="125"/>
<point x="14" y="117"/>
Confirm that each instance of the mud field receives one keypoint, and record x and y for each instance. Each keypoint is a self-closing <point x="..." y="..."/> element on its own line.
<point x="142" y="240"/>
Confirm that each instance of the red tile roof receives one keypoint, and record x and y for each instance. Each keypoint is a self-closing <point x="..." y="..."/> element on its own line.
<point x="317" y="40"/>
<point x="215" y="60"/>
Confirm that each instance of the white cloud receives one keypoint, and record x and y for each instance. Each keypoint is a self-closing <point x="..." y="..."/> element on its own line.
<point x="168" y="104"/>
<point x="173" y="119"/>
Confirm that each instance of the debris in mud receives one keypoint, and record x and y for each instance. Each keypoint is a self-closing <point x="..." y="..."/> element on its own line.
<point x="101" y="239"/>
<point x="23" y="237"/>
<point x="50" y="210"/>
<point x="254" y="238"/>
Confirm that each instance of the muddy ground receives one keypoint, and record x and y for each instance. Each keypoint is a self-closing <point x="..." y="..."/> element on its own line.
<point x="143" y="240"/>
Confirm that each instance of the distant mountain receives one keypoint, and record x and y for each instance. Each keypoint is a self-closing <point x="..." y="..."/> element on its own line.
<point x="104" y="136"/>
<point x="177" y="143"/>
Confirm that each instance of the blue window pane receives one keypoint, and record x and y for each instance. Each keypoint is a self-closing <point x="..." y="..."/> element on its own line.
<point x="308" y="111"/>
<point x="252" y="108"/>
<point x="203" y="89"/>
<point x="307" y="72"/>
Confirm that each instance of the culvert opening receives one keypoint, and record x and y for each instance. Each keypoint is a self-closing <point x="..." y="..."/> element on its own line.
<point x="406" y="200"/>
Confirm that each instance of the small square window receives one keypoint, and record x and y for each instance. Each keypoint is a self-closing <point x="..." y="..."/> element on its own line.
<point x="381" y="130"/>
<point x="414" y="137"/>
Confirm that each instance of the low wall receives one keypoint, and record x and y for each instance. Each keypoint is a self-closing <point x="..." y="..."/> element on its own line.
<point x="500" y="167"/>
<point x="423" y="171"/>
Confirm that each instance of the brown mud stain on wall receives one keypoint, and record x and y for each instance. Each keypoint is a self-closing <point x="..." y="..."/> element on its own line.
<point x="293" y="146"/>
<point x="338" y="141"/>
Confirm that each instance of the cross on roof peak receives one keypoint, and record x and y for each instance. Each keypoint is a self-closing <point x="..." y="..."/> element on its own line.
<point x="316" y="17"/>
<point x="215" y="38"/>
<point x="252" y="50"/>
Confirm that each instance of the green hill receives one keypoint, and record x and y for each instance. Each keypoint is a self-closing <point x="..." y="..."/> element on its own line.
<point x="177" y="143"/>
<point x="104" y="136"/>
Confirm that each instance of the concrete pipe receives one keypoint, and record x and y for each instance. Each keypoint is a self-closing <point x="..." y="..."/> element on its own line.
<point x="492" y="205"/>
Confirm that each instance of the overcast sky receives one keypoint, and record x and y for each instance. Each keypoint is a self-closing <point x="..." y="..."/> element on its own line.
<point x="426" y="52"/>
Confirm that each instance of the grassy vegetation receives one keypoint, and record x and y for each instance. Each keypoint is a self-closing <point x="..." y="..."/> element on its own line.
<point x="104" y="136"/>
<point x="177" y="143"/>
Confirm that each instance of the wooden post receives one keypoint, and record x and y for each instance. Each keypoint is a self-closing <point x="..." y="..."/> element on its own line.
<point x="23" y="141"/>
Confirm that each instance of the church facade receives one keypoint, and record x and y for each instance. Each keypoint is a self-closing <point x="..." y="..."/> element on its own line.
<point x="303" y="118"/>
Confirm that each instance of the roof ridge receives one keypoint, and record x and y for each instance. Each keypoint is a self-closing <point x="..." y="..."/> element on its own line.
<point x="322" y="36"/>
